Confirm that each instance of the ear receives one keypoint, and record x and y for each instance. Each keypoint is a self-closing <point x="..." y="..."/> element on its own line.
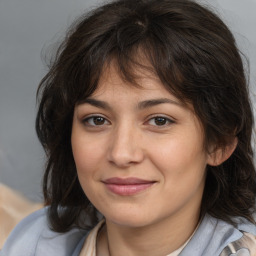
<point x="221" y="154"/>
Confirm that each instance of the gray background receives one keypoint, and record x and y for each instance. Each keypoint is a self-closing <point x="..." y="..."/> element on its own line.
<point x="27" y="29"/>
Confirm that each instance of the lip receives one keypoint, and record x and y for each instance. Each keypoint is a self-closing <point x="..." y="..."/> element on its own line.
<point x="127" y="186"/>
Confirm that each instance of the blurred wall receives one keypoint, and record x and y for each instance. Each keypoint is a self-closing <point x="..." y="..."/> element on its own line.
<point x="27" y="27"/>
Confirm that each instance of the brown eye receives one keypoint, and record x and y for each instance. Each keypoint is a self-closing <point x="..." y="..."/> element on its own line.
<point x="95" y="121"/>
<point x="98" y="120"/>
<point x="160" y="121"/>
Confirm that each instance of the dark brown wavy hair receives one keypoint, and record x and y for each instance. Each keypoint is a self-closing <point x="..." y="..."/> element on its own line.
<point x="196" y="58"/>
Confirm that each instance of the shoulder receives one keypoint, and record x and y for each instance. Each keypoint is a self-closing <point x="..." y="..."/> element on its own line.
<point x="32" y="236"/>
<point x="245" y="244"/>
<point x="216" y="237"/>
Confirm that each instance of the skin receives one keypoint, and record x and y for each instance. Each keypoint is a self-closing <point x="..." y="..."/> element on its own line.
<point x="126" y="139"/>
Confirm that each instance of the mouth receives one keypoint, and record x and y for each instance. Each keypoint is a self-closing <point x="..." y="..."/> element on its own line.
<point x="127" y="186"/>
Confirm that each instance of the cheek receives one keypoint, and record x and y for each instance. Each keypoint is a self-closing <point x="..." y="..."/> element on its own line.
<point x="178" y="153"/>
<point x="86" y="153"/>
<point x="182" y="166"/>
<point x="86" y="158"/>
<point x="182" y="163"/>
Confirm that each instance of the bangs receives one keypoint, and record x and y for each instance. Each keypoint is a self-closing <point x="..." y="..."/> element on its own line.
<point x="132" y="59"/>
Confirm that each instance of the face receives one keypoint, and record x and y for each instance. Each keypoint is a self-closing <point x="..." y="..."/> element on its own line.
<point x="138" y="152"/>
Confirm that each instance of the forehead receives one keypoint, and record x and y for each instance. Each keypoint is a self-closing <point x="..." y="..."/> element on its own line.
<point x="113" y="81"/>
<point x="145" y="86"/>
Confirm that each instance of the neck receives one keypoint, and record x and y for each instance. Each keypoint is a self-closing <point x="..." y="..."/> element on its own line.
<point x="160" y="238"/>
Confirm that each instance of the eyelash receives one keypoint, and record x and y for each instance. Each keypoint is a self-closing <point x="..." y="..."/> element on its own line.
<point x="166" y="121"/>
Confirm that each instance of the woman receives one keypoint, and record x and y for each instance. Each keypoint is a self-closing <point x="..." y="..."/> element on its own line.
<point x="146" y="123"/>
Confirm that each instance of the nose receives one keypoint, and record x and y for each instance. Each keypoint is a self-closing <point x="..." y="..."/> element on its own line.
<point x="126" y="146"/>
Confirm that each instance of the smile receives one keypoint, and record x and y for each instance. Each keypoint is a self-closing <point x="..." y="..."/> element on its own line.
<point x="128" y="186"/>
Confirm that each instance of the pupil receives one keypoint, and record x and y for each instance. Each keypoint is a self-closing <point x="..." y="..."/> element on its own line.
<point x="160" y="121"/>
<point x="98" y="120"/>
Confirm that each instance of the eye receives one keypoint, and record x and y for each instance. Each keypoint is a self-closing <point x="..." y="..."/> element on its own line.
<point x="160" y="121"/>
<point x="95" y="121"/>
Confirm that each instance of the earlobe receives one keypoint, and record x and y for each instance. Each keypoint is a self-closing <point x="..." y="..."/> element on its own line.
<point x="221" y="154"/>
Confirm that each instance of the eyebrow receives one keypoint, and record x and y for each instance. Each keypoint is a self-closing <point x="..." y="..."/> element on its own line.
<point x="96" y="103"/>
<point x="141" y="105"/>
<point x="154" y="102"/>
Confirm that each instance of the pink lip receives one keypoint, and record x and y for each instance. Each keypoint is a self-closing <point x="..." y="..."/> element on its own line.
<point x="127" y="186"/>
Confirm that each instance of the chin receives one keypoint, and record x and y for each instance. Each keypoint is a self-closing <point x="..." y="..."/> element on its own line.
<point x="133" y="220"/>
<point x="131" y="223"/>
